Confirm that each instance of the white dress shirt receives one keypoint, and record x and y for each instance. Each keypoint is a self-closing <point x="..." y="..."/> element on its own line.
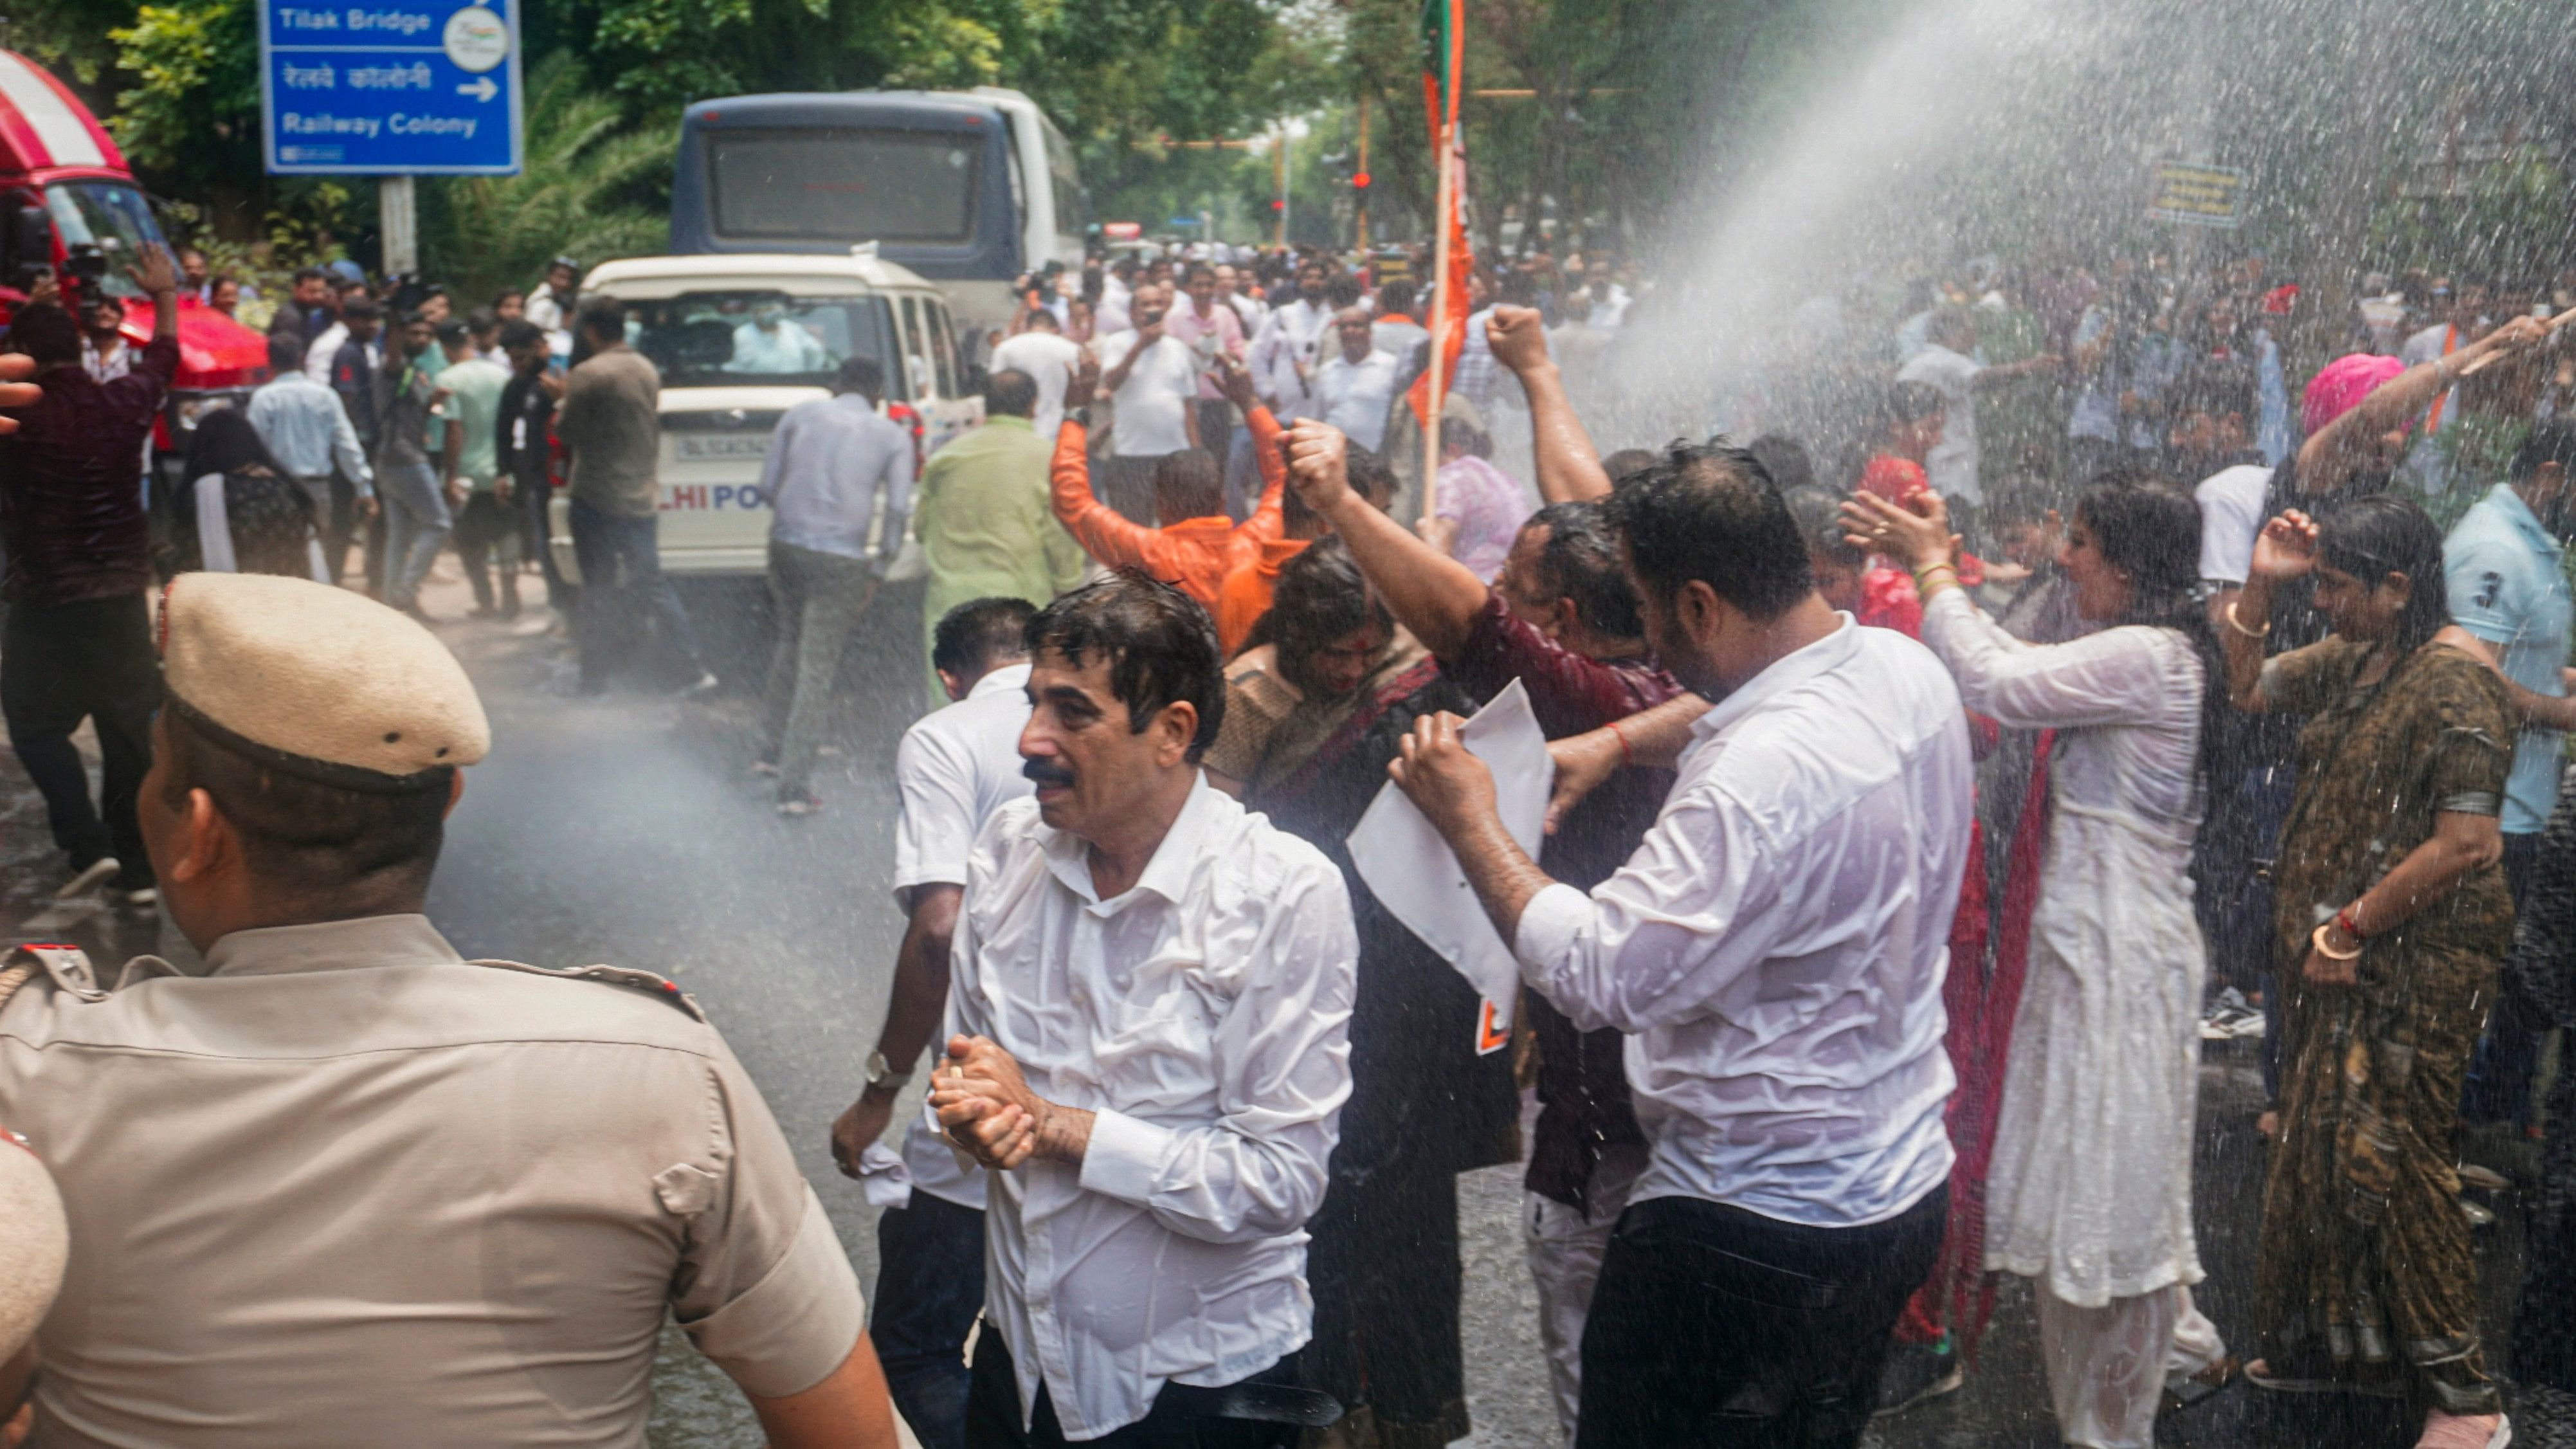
<point x="1288" y="337"/>
<point x="954" y="768"/>
<point x="326" y="350"/>
<point x="1049" y="359"/>
<point x="1777" y="944"/>
<point x="826" y="463"/>
<point x="1204" y="1015"/>
<point x="1355" y="396"/>
<point x="306" y="428"/>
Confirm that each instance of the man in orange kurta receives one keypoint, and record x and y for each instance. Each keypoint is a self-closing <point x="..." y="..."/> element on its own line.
<point x="1197" y="544"/>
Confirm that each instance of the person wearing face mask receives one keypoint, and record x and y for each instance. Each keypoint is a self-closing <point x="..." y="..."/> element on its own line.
<point x="2089" y="1191"/>
<point x="1562" y="619"/>
<point x="2504" y="570"/>
<point x="771" y="343"/>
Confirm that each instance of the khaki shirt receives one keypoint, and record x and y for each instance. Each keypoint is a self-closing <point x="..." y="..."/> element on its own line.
<point x="349" y="1189"/>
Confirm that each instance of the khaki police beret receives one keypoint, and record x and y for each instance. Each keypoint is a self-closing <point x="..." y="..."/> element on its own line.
<point x="32" y="1246"/>
<point x="317" y="681"/>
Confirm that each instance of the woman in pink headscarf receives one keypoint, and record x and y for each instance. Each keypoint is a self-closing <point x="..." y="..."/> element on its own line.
<point x="2359" y="410"/>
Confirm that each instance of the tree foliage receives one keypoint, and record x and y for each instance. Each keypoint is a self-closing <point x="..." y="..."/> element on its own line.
<point x="592" y="188"/>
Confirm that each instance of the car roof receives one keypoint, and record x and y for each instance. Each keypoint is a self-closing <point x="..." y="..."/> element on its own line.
<point x="815" y="274"/>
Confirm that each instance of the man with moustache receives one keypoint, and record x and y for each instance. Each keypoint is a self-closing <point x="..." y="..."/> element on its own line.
<point x="1148" y="1045"/>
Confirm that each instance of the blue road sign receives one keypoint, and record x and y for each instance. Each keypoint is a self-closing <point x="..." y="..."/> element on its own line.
<point x="389" y="87"/>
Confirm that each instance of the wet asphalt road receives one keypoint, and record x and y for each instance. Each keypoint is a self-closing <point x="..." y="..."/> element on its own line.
<point x="629" y="830"/>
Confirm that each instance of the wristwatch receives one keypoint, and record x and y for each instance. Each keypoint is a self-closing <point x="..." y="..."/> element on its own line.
<point x="881" y="1073"/>
<point x="1079" y="417"/>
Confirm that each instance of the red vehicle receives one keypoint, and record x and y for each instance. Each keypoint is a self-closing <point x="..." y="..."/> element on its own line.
<point x="69" y="207"/>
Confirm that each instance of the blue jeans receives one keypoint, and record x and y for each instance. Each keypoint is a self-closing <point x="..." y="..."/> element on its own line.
<point x="623" y="589"/>
<point x="416" y="524"/>
<point x="930" y="1286"/>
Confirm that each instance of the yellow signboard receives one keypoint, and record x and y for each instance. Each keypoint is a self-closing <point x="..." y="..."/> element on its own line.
<point x="2197" y="195"/>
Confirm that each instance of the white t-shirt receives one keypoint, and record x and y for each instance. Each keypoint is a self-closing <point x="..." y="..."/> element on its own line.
<point x="954" y="768"/>
<point x="1952" y="467"/>
<point x="1355" y="396"/>
<point x="1155" y="396"/>
<point x="2231" y="514"/>
<point x="1049" y="359"/>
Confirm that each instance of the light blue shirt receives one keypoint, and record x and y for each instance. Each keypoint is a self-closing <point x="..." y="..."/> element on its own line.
<point x="826" y="463"/>
<point x="787" y="347"/>
<point x="2508" y="588"/>
<point x="307" y="429"/>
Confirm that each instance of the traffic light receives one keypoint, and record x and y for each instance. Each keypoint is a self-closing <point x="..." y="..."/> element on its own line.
<point x="1359" y="181"/>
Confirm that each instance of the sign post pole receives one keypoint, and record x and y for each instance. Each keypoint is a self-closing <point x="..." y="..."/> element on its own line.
<point x="398" y="225"/>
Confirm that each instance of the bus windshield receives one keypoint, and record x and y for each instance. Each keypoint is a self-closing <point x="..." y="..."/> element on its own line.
<point x="109" y="216"/>
<point x="843" y="184"/>
<point x="760" y="339"/>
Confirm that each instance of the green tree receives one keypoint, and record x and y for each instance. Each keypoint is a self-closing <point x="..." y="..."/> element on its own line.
<point x="591" y="188"/>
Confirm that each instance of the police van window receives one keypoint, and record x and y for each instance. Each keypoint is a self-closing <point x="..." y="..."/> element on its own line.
<point x="916" y="352"/>
<point x="760" y="338"/>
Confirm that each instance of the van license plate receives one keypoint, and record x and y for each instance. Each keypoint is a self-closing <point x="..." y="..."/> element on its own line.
<point x="721" y="446"/>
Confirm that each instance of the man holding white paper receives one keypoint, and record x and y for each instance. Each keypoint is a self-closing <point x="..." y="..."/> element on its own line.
<point x="1561" y="622"/>
<point x="1777" y="946"/>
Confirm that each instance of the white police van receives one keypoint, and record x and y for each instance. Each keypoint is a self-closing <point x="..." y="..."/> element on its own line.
<point x="739" y="340"/>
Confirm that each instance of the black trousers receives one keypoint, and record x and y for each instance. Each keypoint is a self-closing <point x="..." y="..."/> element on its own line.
<point x="1178" y="1419"/>
<point x="487" y="534"/>
<point x="930" y="1287"/>
<point x="1714" y="1328"/>
<point x="61" y="664"/>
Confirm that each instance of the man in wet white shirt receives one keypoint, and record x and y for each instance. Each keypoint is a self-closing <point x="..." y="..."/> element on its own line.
<point x="1148" y="1045"/>
<point x="954" y="768"/>
<point x="1776" y="949"/>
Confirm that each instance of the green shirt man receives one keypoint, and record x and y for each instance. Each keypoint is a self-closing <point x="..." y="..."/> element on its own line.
<point x="981" y="515"/>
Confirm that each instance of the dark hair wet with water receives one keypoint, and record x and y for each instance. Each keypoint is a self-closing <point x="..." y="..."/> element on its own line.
<point x="1321" y="597"/>
<point x="1710" y="512"/>
<point x="1161" y="647"/>
<point x="979" y="632"/>
<point x="2148" y="527"/>
<point x="2371" y="538"/>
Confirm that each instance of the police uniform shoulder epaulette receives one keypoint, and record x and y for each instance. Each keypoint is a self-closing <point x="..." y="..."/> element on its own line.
<point x="661" y="987"/>
<point x="67" y="966"/>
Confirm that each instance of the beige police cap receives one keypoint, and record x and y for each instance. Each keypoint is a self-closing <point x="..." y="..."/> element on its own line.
<point x="317" y="681"/>
<point x="32" y="1246"/>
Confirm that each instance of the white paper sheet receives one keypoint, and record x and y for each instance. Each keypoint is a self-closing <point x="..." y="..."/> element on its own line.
<point x="1418" y="879"/>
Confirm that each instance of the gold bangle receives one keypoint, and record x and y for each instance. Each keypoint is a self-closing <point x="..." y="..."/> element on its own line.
<point x="2317" y="938"/>
<point x="2238" y="624"/>
<point x="1928" y="569"/>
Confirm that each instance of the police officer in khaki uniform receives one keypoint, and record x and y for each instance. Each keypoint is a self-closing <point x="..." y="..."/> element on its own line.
<point x="347" y="1188"/>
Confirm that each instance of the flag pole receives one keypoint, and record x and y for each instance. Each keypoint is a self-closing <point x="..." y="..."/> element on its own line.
<point x="1453" y="41"/>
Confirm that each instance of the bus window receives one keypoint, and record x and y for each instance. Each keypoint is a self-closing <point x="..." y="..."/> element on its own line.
<point x="916" y="351"/>
<point x="872" y="184"/>
<point x="1064" y="179"/>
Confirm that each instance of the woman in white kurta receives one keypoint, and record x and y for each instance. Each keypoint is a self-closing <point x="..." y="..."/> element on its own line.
<point x="2090" y="1188"/>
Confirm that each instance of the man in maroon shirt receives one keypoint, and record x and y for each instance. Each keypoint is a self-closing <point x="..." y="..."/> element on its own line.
<point x="78" y="644"/>
<point x="1561" y="619"/>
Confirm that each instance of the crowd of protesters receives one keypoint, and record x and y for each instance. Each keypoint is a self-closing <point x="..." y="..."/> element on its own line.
<point x="2059" y="652"/>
